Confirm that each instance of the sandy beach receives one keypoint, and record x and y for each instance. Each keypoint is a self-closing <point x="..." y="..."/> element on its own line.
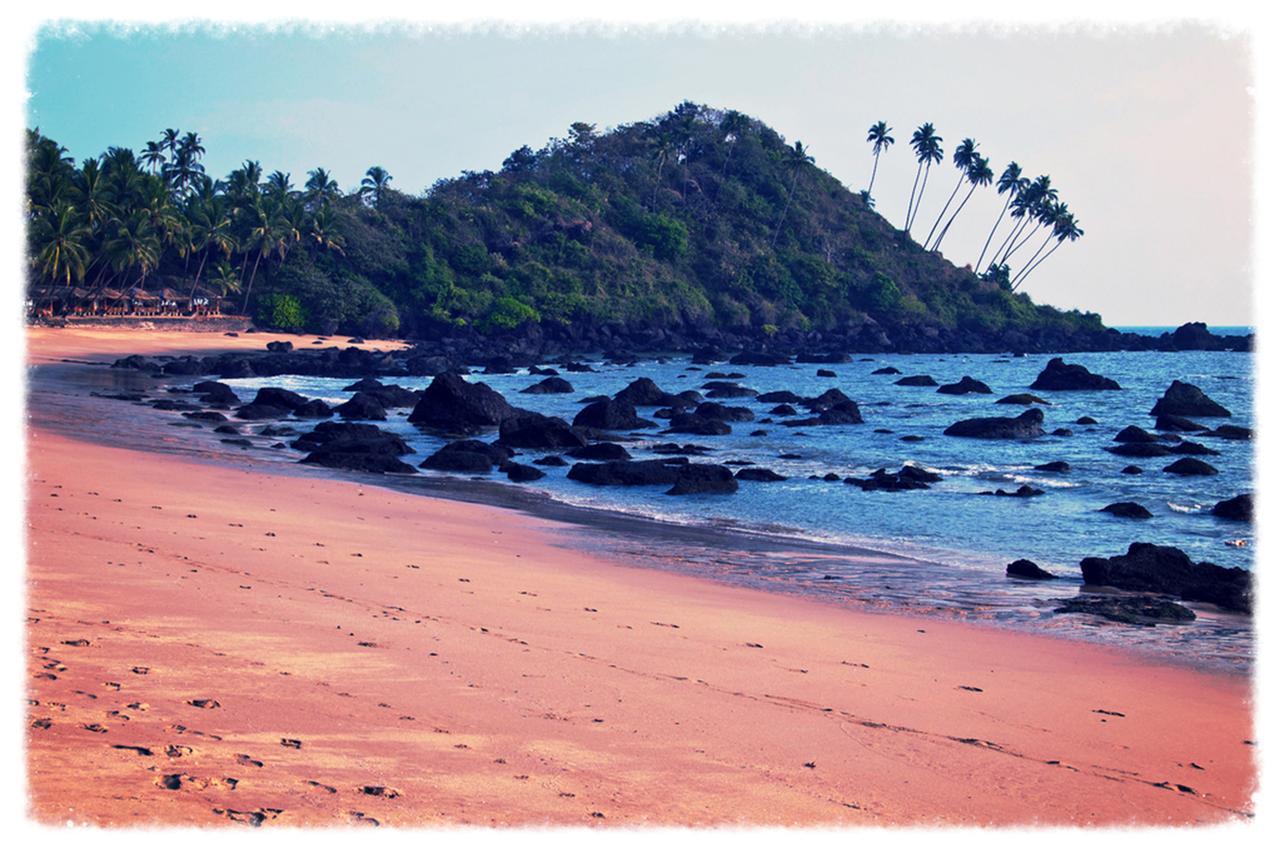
<point x="209" y="643"/>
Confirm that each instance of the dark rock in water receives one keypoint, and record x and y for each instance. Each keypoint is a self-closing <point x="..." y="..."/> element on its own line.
<point x="830" y="476"/>
<point x="610" y="414"/>
<point x="499" y="364"/>
<point x="909" y="477"/>
<point x="760" y="475"/>
<point x="826" y="374"/>
<point x="1131" y="469"/>
<point x="1021" y="400"/>
<point x="1085" y="420"/>
<point x="1162" y="569"/>
<point x="1132" y="434"/>
<point x="1027" y="570"/>
<point x="1193" y="448"/>
<point x="645" y="392"/>
<point x="1177" y="423"/>
<point x="715" y="374"/>
<point x="279" y="346"/>
<point x="174" y="406"/>
<point x="1239" y="508"/>
<point x="1054" y="467"/>
<point x="1194" y="336"/>
<point x="464" y="457"/>
<point x="577" y="367"/>
<point x="912" y="438"/>
<point x="693" y="425"/>
<point x="843" y="413"/>
<point x="453" y="404"/>
<point x="668" y="448"/>
<point x="356" y="340"/>
<point x="212" y="417"/>
<point x="886" y="371"/>
<point x="783" y="410"/>
<point x="1060" y="376"/>
<point x="601" y="451"/>
<point x="1232" y="432"/>
<point x="1185" y="399"/>
<point x="543" y="371"/>
<point x="518" y="473"/>
<point x="1127" y="509"/>
<point x="721" y="412"/>
<point x="699" y="478"/>
<point x="388" y="396"/>
<point x="362" y="407"/>
<point x="1062" y="432"/>
<point x="539" y="432"/>
<point x="966" y="385"/>
<point x="1026" y="425"/>
<point x="313" y="410"/>
<point x="1189" y="467"/>
<point x="272" y="430"/>
<point x="649" y="472"/>
<point x="728" y="389"/>
<point x="229" y="429"/>
<point x="825" y="400"/>
<point x="759" y="359"/>
<point x="551" y="462"/>
<point x="1023" y="491"/>
<point x="237" y="442"/>
<point x="779" y="397"/>
<point x="1128" y="609"/>
<point x="279" y="398"/>
<point x="549" y="386"/>
<point x="1140" y="449"/>
<point x="215" y="393"/>
<point x="757" y="433"/>
<point x="823" y="358"/>
<point x="358" y="447"/>
<point x="184" y="366"/>
<point x="922" y="381"/>
<point x="259" y="412"/>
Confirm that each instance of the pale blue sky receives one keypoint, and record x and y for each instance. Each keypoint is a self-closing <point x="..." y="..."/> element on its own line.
<point x="1146" y="133"/>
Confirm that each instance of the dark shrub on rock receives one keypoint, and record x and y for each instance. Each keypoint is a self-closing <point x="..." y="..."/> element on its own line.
<point x="966" y="385"/>
<point x="539" y="432"/>
<point x="1026" y="425"/>
<point x="453" y="404"/>
<point x="1163" y="569"/>
<point x="1127" y="509"/>
<point x="922" y="381"/>
<point x="1239" y="508"/>
<point x="550" y="385"/>
<point x="1187" y="400"/>
<point x="1060" y="376"/>
<point x="1189" y="467"/>
<point x="702" y="478"/>
<point x="1027" y="570"/>
<point x="1128" y="609"/>
<point x="610" y="414"/>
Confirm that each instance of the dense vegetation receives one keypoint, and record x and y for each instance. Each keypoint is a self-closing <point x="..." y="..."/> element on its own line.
<point x="698" y="220"/>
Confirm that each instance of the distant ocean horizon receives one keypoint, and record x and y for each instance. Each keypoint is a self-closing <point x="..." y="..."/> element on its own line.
<point x="1157" y="331"/>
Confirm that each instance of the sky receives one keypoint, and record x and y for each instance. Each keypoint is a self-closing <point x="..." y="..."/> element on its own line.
<point x="1146" y="132"/>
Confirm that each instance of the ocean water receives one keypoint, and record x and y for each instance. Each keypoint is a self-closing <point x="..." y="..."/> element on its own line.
<point x="966" y="537"/>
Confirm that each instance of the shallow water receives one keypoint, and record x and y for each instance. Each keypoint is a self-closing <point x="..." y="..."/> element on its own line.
<point x="954" y="541"/>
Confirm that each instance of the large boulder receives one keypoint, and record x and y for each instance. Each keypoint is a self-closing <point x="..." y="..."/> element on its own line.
<point x="1022" y="400"/>
<point x="1239" y="508"/>
<point x="966" y="385"/>
<point x="452" y="404"/>
<point x="1027" y="570"/>
<point x="279" y="398"/>
<point x="467" y="456"/>
<point x="1163" y="569"/>
<point x="1029" y="424"/>
<point x="843" y="413"/>
<point x="362" y="407"/>
<point x="721" y="412"/>
<point x="698" y="478"/>
<point x="759" y="475"/>
<point x="1127" y="509"/>
<point x="538" y="432"/>
<point x="388" y="396"/>
<point x="1060" y="376"/>
<point x="649" y="472"/>
<point x="602" y="451"/>
<point x="921" y="381"/>
<point x="313" y="410"/>
<point x="645" y="392"/>
<point x="610" y="414"/>
<point x="690" y="424"/>
<point x="909" y="477"/>
<point x="357" y="447"/>
<point x="550" y="385"/>
<point x="1190" y="467"/>
<point x="1187" y="400"/>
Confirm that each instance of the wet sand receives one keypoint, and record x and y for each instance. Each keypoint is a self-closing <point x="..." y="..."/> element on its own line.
<point x="208" y="643"/>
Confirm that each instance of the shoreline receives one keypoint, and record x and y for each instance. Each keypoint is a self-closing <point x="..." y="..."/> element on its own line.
<point x="741" y="713"/>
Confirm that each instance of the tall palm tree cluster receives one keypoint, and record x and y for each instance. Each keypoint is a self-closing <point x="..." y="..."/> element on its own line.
<point x="1030" y="207"/>
<point x="118" y="218"/>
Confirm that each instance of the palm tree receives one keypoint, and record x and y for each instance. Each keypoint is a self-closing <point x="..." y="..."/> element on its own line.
<point x="666" y="146"/>
<point x="278" y="184"/>
<point x="154" y="157"/>
<point x="734" y="126"/>
<point x="133" y="245"/>
<point x="374" y="183"/>
<point x="797" y="159"/>
<point x="323" y="230"/>
<point x="978" y="174"/>
<point x="1033" y="206"/>
<point x="878" y="136"/>
<point x="264" y="237"/>
<point x="1010" y="184"/>
<point x="320" y="186"/>
<point x="210" y="229"/>
<point x="61" y="245"/>
<point x="1064" y="228"/>
<point x="224" y="280"/>
<point x="928" y="148"/>
<point x="963" y="159"/>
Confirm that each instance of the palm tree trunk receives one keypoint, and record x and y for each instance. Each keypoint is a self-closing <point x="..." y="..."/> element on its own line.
<point x="938" y="243"/>
<point x="1033" y="232"/>
<point x="912" y="200"/>
<point x="795" y="175"/>
<point x="199" y="270"/>
<point x="943" y="212"/>
<point x="1027" y="266"/>
<point x="978" y="266"/>
<point x="1012" y="240"/>
<point x="1028" y="273"/>
<point x="875" y="164"/>
<point x="920" y="200"/>
<point x="245" y="308"/>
